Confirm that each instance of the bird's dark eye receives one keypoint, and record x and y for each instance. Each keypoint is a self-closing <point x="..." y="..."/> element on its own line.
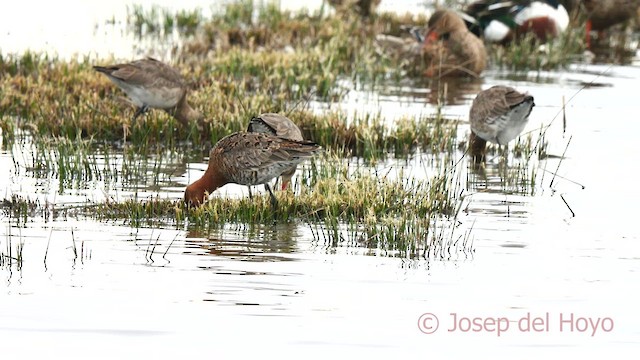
<point x="444" y="36"/>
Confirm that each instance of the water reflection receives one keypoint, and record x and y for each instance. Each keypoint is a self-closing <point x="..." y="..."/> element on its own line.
<point x="500" y="177"/>
<point x="617" y="47"/>
<point x="257" y="243"/>
<point x="440" y="92"/>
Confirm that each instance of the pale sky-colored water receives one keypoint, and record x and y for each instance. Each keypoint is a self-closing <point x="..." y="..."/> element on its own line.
<point x="70" y="28"/>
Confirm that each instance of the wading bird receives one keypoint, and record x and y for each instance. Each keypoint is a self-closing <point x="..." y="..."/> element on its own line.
<point x="150" y="83"/>
<point x="498" y="115"/>
<point x="281" y="126"/>
<point x="248" y="159"/>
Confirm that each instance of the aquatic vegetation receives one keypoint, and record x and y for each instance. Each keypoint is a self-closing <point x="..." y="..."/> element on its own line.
<point x="531" y="54"/>
<point x="390" y="212"/>
<point x="162" y="22"/>
<point x="67" y="99"/>
<point x="11" y="254"/>
<point x="380" y="211"/>
<point x="243" y="61"/>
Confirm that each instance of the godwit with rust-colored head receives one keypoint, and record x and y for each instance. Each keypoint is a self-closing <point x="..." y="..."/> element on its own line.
<point x="281" y="126"/>
<point x="498" y="115"/>
<point x="150" y="83"/>
<point x="249" y="159"/>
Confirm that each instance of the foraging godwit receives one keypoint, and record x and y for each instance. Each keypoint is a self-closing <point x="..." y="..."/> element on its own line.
<point x="450" y="49"/>
<point x="150" y="83"/>
<point x="281" y="126"/>
<point x="498" y="115"/>
<point x="504" y="20"/>
<point x="248" y="159"/>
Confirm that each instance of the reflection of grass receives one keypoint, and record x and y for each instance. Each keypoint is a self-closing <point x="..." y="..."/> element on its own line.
<point x="75" y="163"/>
<point x="157" y="21"/>
<point x="516" y="169"/>
<point x="12" y="253"/>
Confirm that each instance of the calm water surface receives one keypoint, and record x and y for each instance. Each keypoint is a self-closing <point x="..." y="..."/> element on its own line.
<point x="163" y="292"/>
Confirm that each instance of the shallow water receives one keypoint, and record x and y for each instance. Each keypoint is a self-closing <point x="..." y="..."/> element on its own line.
<point x="102" y="289"/>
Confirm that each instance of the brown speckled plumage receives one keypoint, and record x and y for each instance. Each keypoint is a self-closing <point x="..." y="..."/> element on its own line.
<point x="248" y="159"/>
<point x="150" y="83"/>
<point x="498" y="115"/>
<point x="281" y="126"/>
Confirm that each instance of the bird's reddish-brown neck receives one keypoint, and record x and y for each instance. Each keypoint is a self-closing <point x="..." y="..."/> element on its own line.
<point x="210" y="181"/>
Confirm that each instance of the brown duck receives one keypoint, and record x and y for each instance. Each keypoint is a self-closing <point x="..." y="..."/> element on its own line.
<point x="150" y="83"/>
<point x="281" y="126"/>
<point x="450" y="49"/>
<point x="248" y="159"/>
<point x="498" y="115"/>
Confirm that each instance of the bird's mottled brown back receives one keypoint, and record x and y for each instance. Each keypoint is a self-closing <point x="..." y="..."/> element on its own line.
<point x="494" y="102"/>
<point x="277" y="125"/>
<point x="147" y="72"/>
<point x="255" y="158"/>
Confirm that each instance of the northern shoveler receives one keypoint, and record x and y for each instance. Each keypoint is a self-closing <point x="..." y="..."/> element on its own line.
<point x="498" y="115"/>
<point x="248" y="159"/>
<point x="504" y="20"/>
<point x="150" y="83"/>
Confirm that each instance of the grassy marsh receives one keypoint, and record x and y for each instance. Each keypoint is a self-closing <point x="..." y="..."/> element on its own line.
<point x="239" y="63"/>
<point x="337" y="200"/>
<point x="87" y="105"/>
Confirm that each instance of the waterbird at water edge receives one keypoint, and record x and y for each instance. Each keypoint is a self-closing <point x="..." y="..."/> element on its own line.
<point x="498" y="115"/>
<point x="249" y="159"/>
<point x="281" y="126"/>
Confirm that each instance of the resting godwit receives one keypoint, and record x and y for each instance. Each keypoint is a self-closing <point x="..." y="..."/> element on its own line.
<point x="281" y="126"/>
<point x="498" y="115"/>
<point x="150" y="83"/>
<point x="248" y="159"/>
<point x="450" y="48"/>
<point x="503" y="20"/>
